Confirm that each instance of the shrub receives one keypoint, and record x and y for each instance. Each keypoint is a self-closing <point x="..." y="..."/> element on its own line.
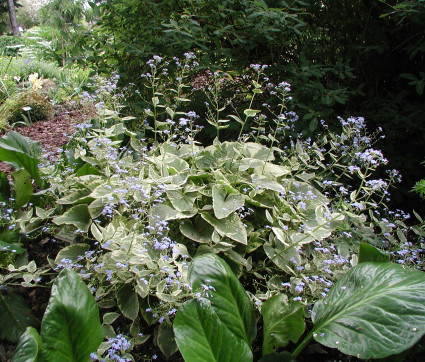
<point x="14" y="109"/>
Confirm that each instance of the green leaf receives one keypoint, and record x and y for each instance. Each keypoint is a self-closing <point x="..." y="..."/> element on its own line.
<point x="128" y="301"/>
<point x="71" y="252"/>
<point x="165" y="340"/>
<point x="231" y="226"/>
<point x="182" y="201"/>
<point x="198" y="230"/>
<point x="373" y="311"/>
<point x="87" y="169"/>
<point x="77" y="215"/>
<point x="201" y="336"/>
<point x="14" y="314"/>
<point x="225" y="203"/>
<point x="368" y="253"/>
<point x="70" y="329"/>
<point x="109" y="318"/>
<point x="22" y="152"/>
<point x="166" y="212"/>
<point x="22" y="187"/>
<point x="80" y="196"/>
<point x="28" y="347"/>
<point x="228" y="297"/>
<point x="4" y="187"/>
<point x="251" y="112"/>
<point x="283" y="322"/>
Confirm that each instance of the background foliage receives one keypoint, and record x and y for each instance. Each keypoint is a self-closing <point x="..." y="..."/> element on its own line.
<point x="342" y="57"/>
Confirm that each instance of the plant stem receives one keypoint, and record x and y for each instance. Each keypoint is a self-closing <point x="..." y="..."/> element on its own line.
<point x="303" y="344"/>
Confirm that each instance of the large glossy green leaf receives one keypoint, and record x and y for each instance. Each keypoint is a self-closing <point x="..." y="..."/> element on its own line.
<point x="231" y="226"/>
<point x="28" y="347"/>
<point x="283" y="322"/>
<point x="14" y="316"/>
<point x="373" y="311"/>
<point x="225" y="202"/>
<point x="71" y="328"/>
<point x="368" y="253"/>
<point x="77" y="215"/>
<point x="22" y="152"/>
<point x="228" y="297"/>
<point x="202" y="336"/>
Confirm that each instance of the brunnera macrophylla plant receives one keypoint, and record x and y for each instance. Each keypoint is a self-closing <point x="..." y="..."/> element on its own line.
<point x="280" y="211"/>
<point x="286" y="213"/>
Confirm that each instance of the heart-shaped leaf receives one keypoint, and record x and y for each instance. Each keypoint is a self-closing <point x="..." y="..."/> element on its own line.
<point x="283" y="322"/>
<point x="199" y="230"/>
<point x="165" y="340"/>
<point x="373" y="311"/>
<point x="28" y="347"/>
<point x="201" y="336"/>
<point x="77" y="215"/>
<point x="231" y="226"/>
<point x="71" y="328"/>
<point x="225" y="203"/>
<point x="128" y="301"/>
<point x="228" y="297"/>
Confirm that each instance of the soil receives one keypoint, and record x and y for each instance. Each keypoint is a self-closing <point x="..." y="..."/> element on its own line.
<point x="54" y="133"/>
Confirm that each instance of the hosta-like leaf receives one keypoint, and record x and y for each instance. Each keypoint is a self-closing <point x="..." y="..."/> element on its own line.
<point x="77" y="215"/>
<point x="71" y="328"/>
<point x="228" y="296"/>
<point x="28" y="347"/>
<point x="283" y="322"/>
<point x="373" y="311"/>
<point x="368" y="253"/>
<point x="225" y="203"/>
<point x="201" y="336"/>
<point x="231" y="226"/>
<point x="22" y="152"/>
<point x="14" y="316"/>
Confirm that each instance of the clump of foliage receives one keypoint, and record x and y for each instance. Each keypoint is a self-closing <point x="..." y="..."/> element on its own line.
<point x="29" y="105"/>
<point x="304" y="42"/>
<point x="162" y="228"/>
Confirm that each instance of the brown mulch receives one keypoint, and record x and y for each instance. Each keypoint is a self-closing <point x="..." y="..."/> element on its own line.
<point x="54" y="132"/>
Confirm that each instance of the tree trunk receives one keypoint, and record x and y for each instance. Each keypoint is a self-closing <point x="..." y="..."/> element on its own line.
<point x="13" y="21"/>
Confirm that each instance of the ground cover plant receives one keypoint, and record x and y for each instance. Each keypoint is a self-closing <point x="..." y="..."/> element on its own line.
<point x="247" y="246"/>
